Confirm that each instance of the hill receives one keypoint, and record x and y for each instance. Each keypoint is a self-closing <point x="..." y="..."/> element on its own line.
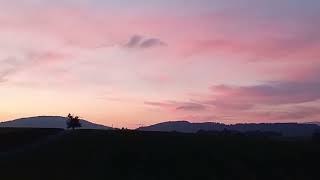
<point x="48" y="122"/>
<point x="286" y="129"/>
<point x="314" y="122"/>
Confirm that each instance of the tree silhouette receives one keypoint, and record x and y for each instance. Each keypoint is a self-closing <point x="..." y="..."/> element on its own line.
<point x="73" y="122"/>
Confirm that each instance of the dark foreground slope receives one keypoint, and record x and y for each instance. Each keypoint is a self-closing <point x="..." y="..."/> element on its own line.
<point x="97" y="154"/>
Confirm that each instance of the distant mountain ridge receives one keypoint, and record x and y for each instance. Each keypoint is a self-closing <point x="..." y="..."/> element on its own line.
<point x="48" y="122"/>
<point x="286" y="129"/>
<point x="313" y="122"/>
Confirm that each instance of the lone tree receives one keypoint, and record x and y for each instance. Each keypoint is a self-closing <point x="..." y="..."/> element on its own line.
<point x="73" y="122"/>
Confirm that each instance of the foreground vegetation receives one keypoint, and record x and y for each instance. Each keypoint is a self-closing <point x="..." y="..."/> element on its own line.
<point x="94" y="154"/>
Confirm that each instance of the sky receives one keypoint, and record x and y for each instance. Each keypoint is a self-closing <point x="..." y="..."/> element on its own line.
<point x="131" y="63"/>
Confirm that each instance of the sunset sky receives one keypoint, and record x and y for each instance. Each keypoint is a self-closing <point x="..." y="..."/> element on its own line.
<point x="128" y="63"/>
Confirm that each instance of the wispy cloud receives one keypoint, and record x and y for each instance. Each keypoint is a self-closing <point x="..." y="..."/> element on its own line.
<point x="271" y="101"/>
<point x="8" y="66"/>
<point x="297" y="47"/>
<point x="142" y="42"/>
<point x="273" y="93"/>
<point x="177" y="106"/>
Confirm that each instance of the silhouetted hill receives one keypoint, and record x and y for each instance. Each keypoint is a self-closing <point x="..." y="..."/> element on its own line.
<point x="286" y="129"/>
<point x="48" y="122"/>
<point x="183" y="126"/>
<point x="314" y="122"/>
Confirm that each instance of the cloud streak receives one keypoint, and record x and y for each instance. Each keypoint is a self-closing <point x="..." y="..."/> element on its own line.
<point x="298" y="47"/>
<point x="177" y="106"/>
<point x="266" y="102"/>
<point x="273" y="93"/>
<point x="141" y="42"/>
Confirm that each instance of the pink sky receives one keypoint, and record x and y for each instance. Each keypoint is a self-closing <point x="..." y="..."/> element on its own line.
<point x="127" y="63"/>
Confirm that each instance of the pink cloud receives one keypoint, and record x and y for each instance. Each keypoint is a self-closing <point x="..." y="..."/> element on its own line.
<point x="296" y="113"/>
<point x="177" y="106"/>
<point x="70" y="24"/>
<point x="272" y="101"/>
<point x="294" y="48"/>
<point x="219" y="32"/>
<point x="292" y="114"/>
<point x="48" y="57"/>
<point x="274" y="93"/>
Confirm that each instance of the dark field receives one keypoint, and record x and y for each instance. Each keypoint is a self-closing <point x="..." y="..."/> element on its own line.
<point x="93" y="154"/>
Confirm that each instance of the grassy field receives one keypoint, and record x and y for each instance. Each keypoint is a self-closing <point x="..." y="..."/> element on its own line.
<point x="94" y="154"/>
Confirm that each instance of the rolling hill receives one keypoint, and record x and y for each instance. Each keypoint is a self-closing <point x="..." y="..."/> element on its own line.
<point x="286" y="129"/>
<point x="48" y="122"/>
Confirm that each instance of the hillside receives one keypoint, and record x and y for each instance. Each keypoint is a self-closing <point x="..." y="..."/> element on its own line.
<point x="314" y="122"/>
<point x="286" y="129"/>
<point x="48" y="122"/>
